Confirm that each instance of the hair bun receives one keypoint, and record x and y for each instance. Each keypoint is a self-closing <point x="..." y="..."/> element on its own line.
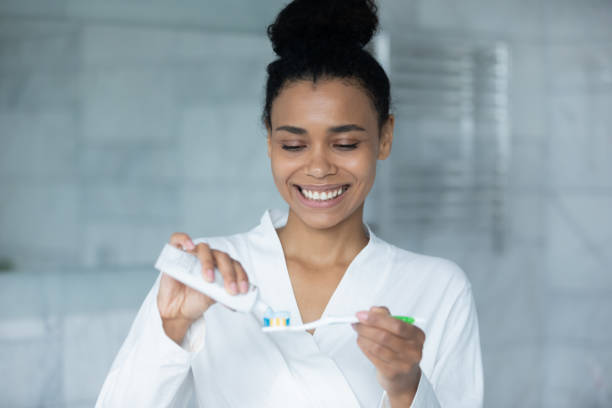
<point x="317" y="26"/>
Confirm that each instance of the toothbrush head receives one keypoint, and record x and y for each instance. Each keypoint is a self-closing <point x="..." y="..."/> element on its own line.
<point x="276" y="319"/>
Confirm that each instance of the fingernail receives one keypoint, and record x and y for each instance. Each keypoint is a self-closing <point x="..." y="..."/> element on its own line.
<point x="210" y="275"/>
<point x="233" y="288"/>
<point x="190" y="245"/>
<point x="244" y="287"/>
<point x="362" y="316"/>
<point x="354" y="326"/>
<point x="379" y="309"/>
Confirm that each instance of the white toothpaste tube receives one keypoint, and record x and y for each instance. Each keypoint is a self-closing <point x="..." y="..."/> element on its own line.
<point x="186" y="268"/>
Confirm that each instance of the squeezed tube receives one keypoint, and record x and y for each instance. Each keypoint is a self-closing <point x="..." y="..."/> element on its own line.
<point x="186" y="268"/>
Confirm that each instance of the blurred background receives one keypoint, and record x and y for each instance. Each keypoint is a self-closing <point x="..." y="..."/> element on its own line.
<point x="124" y="121"/>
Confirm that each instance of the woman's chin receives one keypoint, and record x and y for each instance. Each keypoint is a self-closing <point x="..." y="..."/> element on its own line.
<point x="321" y="220"/>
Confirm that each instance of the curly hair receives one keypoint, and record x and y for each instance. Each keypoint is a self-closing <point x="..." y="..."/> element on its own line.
<point x="324" y="39"/>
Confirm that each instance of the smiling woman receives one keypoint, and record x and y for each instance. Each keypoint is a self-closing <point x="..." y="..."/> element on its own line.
<point x="328" y="123"/>
<point x="323" y="138"/>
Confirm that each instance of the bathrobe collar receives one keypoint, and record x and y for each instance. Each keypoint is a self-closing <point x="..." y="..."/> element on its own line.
<point x="356" y="290"/>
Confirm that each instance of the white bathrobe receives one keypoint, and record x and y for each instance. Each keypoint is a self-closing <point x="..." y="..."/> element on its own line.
<point x="228" y="362"/>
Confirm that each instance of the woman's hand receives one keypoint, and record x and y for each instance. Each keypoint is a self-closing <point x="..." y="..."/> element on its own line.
<point x="395" y="348"/>
<point x="179" y="305"/>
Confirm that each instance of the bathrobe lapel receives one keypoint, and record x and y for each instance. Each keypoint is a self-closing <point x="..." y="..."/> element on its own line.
<point x="311" y="357"/>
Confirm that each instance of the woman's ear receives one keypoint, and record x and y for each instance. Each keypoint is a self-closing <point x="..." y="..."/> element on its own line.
<point x="386" y="138"/>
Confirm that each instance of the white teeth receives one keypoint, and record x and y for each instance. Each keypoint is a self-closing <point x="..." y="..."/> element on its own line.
<point x="322" y="196"/>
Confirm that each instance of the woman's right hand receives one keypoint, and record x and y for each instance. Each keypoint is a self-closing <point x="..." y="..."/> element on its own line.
<point x="179" y="305"/>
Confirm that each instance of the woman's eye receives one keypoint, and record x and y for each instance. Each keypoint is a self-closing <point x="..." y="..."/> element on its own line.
<point x="347" y="146"/>
<point x="292" y="148"/>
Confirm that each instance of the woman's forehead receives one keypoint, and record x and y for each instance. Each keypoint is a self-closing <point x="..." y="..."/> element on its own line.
<point x="329" y="100"/>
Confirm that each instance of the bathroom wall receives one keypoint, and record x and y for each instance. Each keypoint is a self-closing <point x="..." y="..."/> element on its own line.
<point x="122" y="122"/>
<point x="545" y="300"/>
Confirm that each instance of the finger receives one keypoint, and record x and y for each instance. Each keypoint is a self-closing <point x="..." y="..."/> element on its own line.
<point x="381" y="336"/>
<point x="241" y="277"/>
<point x="204" y="254"/>
<point x="226" y="268"/>
<point x="379" y="317"/>
<point x="376" y="350"/>
<point x="388" y="365"/>
<point x="380" y="309"/>
<point x="182" y="241"/>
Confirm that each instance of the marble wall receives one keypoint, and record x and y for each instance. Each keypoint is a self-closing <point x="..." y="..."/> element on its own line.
<point x="544" y="303"/>
<point x="112" y="118"/>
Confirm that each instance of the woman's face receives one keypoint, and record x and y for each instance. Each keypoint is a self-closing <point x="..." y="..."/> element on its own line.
<point x="323" y="144"/>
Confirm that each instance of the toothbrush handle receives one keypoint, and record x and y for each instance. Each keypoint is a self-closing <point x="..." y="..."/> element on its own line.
<point x="407" y="319"/>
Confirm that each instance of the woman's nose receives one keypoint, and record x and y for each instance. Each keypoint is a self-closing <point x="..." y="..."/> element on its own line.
<point x="319" y="164"/>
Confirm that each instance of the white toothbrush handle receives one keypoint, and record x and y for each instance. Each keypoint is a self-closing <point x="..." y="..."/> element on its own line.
<point x="341" y="319"/>
<point x="326" y="321"/>
<point x="186" y="268"/>
<point x="313" y="325"/>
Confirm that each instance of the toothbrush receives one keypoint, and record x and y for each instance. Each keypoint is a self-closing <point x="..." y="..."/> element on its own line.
<point x="330" y="320"/>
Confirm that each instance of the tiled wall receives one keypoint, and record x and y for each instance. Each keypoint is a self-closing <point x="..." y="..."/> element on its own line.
<point x="545" y="302"/>
<point x="113" y="138"/>
<point x="110" y="137"/>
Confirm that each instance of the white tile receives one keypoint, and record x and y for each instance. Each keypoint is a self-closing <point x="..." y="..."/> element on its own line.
<point x="580" y="143"/>
<point x="33" y="365"/>
<point x="527" y="85"/>
<point x="222" y="209"/>
<point x="527" y="169"/>
<point x="113" y="46"/>
<point x="224" y="145"/>
<point x="221" y="81"/>
<point x="90" y="346"/>
<point x="507" y="294"/>
<point x="123" y="244"/>
<point x="115" y="289"/>
<point x="579" y="67"/>
<point x="138" y="164"/>
<point x="580" y="233"/>
<point x="513" y="377"/>
<point x="21" y="329"/>
<point x="526" y="215"/>
<point x="123" y="106"/>
<point x="198" y="46"/>
<point x="579" y="320"/>
<point x="40" y="145"/>
<point x="31" y="297"/>
<point x="35" y="91"/>
<point x="38" y="46"/>
<point x="519" y="18"/>
<point x="576" y="376"/>
<point x="229" y="15"/>
<point x="131" y="201"/>
<point x="40" y="224"/>
<point x="570" y="20"/>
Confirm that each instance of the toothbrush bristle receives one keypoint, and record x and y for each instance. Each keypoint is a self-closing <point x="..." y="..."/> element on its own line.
<point x="276" y="319"/>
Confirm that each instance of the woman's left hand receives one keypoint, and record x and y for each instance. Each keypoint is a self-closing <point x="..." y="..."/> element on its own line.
<point x="395" y="348"/>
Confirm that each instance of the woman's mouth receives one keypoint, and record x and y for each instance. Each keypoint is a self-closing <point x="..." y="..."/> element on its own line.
<point x="321" y="197"/>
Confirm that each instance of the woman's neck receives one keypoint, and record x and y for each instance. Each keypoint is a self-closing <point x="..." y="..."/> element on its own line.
<point x="337" y="245"/>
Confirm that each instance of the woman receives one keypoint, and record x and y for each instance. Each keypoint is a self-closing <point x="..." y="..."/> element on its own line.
<point x="328" y="122"/>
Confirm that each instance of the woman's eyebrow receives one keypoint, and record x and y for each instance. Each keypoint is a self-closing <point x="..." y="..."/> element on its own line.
<point x="334" y="129"/>
<point x="346" y="128"/>
<point x="292" y="129"/>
